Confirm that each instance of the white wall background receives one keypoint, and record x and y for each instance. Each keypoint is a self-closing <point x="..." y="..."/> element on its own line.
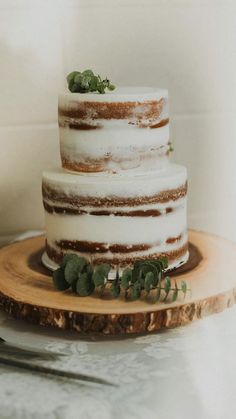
<point x="187" y="46"/>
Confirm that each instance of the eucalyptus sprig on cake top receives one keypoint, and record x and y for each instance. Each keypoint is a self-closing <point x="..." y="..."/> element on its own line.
<point x="87" y="81"/>
<point x="144" y="278"/>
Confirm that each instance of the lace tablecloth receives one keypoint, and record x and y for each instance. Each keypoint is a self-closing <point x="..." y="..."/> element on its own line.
<point x="183" y="373"/>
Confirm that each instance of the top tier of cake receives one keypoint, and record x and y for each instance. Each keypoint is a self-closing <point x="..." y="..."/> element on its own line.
<point x="126" y="129"/>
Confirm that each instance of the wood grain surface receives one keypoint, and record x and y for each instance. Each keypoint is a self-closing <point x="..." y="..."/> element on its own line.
<point x="27" y="292"/>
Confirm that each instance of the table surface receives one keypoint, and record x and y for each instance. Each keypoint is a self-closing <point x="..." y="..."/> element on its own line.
<point x="183" y="373"/>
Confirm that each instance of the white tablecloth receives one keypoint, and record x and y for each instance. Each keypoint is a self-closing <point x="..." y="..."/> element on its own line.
<point x="187" y="373"/>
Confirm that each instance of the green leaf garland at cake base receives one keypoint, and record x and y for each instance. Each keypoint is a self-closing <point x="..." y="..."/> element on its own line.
<point x="143" y="279"/>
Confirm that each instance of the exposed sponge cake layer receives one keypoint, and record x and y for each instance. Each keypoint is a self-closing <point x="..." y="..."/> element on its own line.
<point x="117" y="219"/>
<point x="127" y="129"/>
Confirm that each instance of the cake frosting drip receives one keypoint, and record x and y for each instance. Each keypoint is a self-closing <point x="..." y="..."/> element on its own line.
<point x="127" y="129"/>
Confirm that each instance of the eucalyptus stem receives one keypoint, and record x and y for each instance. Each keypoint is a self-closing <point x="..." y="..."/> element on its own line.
<point x="145" y="277"/>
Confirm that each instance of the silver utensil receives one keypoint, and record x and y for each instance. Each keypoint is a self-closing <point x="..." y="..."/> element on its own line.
<point x="21" y="356"/>
<point x="27" y="352"/>
<point x="32" y="367"/>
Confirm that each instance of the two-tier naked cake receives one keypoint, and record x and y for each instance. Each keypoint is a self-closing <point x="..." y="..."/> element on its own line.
<point x="116" y="198"/>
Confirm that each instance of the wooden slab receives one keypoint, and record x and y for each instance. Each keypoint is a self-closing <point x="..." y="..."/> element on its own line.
<point x="27" y="292"/>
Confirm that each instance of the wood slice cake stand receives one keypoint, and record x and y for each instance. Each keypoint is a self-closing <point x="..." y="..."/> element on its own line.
<point x="27" y="292"/>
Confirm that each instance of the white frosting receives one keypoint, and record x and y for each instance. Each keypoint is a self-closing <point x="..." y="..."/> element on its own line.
<point x="143" y="207"/>
<point x="120" y="94"/>
<point x="127" y="145"/>
<point x="96" y="143"/>
<point x="115" y="229"/>
<point x="122" y="185"/>
<point x="138" y="156"/>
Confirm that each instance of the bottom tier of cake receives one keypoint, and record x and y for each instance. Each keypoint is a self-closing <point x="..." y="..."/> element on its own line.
<point x="117" y="219"/>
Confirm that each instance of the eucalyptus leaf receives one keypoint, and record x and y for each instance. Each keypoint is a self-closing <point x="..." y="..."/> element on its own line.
<point x="135" y="274"/>
<point x="87" y="81"/>
<point x="74" y="266"/>
<point x="160" y="264"/>
<point x="158" y="293"/>
<point x="137" y="270"/>
<point x="126" y="278"/>
<point x="93" y="84"/>
<point x="159" y="267"/>
<point x="71" y="76"/>
<point x="100" y="88"/>
<point x="78" y="78"/>
<point x="59" y="280"/>
<point x="167" y="286"/>
<point x="88" y="73"/>
<point x="71" y="271"/>
<point x="149" y="281"/>
<point x="135" y="291"/>
<point x="103" y="269"/>
<point x="100" y="274"/>
<point x="175" y="292"/>
<point x="67" y="257"/>
<point x="164" y="262"/>
<point x="147" y="267"/>
<point x="115" y="289"/>
<point x="84" y="285"/>
<point x="160" y="276"/>
<point x="71" y="85"/>
<point x="89" y="269"/>
<point x="98" y="279"/>
<point x="184" y="287"/>
<point x="74" y="87"/>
